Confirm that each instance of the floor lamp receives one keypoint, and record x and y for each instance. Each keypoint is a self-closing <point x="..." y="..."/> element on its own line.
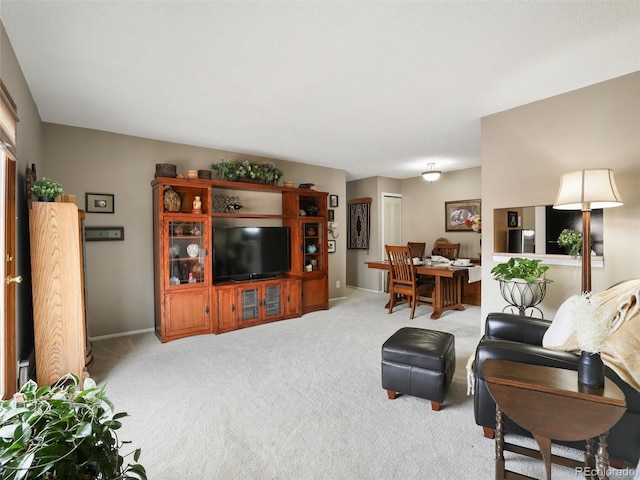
<point x="585" y="190"/>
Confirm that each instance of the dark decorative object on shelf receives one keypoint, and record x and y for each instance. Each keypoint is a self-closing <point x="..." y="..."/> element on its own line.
<point x="311" y="210"/>
<point x="206" y="174"/>
<point x="165" y="170"/>
<point x="226" y="204"/>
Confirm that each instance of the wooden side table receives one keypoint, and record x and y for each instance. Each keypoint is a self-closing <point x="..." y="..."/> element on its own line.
<point x="551" y="404"/>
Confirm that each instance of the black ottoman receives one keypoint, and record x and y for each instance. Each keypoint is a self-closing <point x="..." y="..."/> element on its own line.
<point x="419" y="362"/>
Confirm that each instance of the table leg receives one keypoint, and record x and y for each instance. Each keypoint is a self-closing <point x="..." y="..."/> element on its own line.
<point x="589" y="456"/>
<point x="602" y="457"/>
<point x="436" y="300"/>
<point x="545" y="449"/>
<point x="499" y="444"/>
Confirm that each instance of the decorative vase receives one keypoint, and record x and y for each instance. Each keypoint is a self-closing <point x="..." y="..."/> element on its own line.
<point x="172" y="201"/>
<point x="311" y="248"/>
<point x="591" y="369"/>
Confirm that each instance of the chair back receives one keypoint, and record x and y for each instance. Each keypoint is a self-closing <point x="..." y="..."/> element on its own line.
<point x="400" y="264"/>
<point x="417" y="249"/>
<point x="449" y="250"/>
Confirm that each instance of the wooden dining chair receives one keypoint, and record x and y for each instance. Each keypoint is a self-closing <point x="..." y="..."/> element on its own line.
<point x="437" y="243"/>
<point x="417" y="249"/>
<point x="403" y="281"/>
<point x="448" y="250"/>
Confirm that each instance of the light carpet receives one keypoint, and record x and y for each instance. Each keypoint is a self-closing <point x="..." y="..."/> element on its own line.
<point x="299" y="399"/>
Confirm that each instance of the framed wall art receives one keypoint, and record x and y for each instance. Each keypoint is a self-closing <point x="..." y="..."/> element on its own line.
<point x="331" y="247"/>
<point x="333" y="201"/>
<point x="512" y="219"/>
<point x="100" y="202"/>
<point x="456" y="212"/>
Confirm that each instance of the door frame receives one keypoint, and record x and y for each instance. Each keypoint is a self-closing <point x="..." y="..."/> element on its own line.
<point x="8" y="360"/>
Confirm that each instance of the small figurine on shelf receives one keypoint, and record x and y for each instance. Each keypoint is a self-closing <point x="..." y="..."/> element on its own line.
<point x="191" y="278"/>
<point x="197" y="205"/>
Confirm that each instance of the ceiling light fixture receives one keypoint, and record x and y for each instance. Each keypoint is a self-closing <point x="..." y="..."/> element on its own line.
<point x="431" y="175"/>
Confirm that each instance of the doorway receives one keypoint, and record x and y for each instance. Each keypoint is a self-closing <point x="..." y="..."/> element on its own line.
<point x="8" y="359"/>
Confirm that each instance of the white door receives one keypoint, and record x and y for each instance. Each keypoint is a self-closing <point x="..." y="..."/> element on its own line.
<point x="391" y="227"/>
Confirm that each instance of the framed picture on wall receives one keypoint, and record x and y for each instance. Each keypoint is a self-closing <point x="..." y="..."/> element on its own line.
<point x="456" y="212"/>
<point x="100" y="202"/>
<point x="331" y="246"/>
<point x="333" y="201"/>
<point x="512" y="219"/>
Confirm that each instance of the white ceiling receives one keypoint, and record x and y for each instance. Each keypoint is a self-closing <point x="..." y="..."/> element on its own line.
<point x="374" y="88"/>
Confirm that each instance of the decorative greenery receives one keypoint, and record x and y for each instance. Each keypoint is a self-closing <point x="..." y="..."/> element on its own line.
<point x="525" y="268"/>
<point x="62" y="432"/>
<point x="573" y="239"/>
<point x="474" y="222"/>
<point x="592" y="323"/>
<point x="251" y="172"/>
<point x="46" y="188"/>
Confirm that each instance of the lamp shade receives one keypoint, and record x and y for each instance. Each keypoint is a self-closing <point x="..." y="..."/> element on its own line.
<point x="431" y="175"/>
<point x="588" y="189"/>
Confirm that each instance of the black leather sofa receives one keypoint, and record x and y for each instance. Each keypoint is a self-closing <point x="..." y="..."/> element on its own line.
<point x="519" y="339"/>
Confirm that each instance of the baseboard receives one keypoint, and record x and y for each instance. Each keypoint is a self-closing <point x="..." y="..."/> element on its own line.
<point x="123" y="334"/>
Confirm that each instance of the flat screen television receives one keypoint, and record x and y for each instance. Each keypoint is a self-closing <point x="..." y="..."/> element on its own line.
<point x="250" y="253"/>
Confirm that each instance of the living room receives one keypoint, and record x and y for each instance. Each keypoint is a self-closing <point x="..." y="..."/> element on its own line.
<point x="524" y="151"/>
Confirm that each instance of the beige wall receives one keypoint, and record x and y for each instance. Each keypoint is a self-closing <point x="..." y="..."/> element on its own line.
<point x="423" y="217"/>
<point x="525" y="151"/>
<point x="358" y="274"/>
<point x="120" y="274"/>
<point x="28" y="151"/>
<point x="423" y="213"/>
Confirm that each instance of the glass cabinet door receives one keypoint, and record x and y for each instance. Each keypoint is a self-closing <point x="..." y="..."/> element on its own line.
<point x="313" y="246"/>
<point x="186" y="255"/>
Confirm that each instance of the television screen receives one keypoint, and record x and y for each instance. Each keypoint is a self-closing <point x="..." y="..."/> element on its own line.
<point x="246" y="253"/>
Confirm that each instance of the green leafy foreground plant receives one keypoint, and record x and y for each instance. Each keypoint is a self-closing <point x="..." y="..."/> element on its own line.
<point x="62" y="432"/>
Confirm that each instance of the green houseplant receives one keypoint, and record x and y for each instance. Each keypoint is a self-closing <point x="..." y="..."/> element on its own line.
<point x="46" y="189"/>
<point x="522" y="282"/>
<point x="248" y="172"/>
<point x="573" y="240"/>
<point x="63" y="432"/>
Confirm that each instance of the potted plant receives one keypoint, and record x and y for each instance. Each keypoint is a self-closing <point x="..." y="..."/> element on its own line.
<point x="63" y="432"/>
<point x="248" y="172"/>
<point x="573" y="240"/>
<point x="522" y="281"/>
<point x="46" y="189"/>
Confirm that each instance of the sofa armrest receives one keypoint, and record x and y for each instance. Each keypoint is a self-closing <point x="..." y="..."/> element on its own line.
<point x="517" y="328"/>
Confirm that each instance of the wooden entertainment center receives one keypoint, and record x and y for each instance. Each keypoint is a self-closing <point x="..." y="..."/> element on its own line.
<point x="188" y="298"/>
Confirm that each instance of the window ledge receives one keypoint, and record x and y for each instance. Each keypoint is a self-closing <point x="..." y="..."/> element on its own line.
<point x="565" y="260"/>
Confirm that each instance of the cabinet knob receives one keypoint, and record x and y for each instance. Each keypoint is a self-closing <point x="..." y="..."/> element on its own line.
<point x="17" y="279"/>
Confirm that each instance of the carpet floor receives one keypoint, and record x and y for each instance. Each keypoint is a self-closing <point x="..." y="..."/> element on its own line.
<point x="299" y="399"/>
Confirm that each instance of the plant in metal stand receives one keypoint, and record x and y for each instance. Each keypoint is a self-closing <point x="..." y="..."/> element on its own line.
<point x="522" y="283"/>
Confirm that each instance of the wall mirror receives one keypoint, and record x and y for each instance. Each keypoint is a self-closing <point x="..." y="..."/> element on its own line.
<point x="536" y="229"/>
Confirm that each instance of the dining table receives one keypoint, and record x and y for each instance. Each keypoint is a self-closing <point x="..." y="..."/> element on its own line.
<point x="447" y="293"/>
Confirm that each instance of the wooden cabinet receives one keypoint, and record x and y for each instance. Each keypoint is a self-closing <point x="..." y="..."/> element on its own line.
<point x="252" y="303"/>
<point x="310" y="240"/>
<point x="182" y="267"/>
<point x="58" y="291"/>
<point x="188" y="298"/>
